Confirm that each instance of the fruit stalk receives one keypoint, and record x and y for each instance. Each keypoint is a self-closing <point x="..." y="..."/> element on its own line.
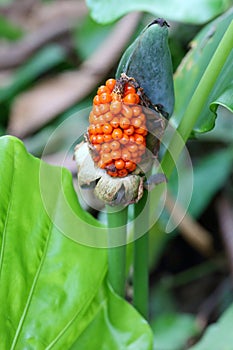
<point x="117" y="230"/>
<point x="140" y="263"/>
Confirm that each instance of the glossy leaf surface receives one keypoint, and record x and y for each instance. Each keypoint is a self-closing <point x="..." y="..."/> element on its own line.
<point x="52" y="288"/>
<point x="193" y="11"/>
<point x="192" y="69"/>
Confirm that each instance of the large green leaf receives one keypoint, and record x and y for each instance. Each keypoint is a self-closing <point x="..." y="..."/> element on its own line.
<point x="191" y="71"/>
<point x="53" y="289"/>
<point x="121" y="319"/>
<point x="192" y="11"/>
<point x="218" y="336"/>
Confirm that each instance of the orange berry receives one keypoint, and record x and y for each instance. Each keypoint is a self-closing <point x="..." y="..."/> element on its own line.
<point x="131" y="99"/>
<point x="96" y="100"/>
<point x="119" y="164"/>
<point x="110" y="83"/>
<point x="127" y="111"/>
<point x="142" y="117"/>
<point x="129" y="165"/>
<point x="96" y="110"/>
<point x="125" y="154"/>
<point x="131" y="139"/>
<point x="102" y="89"/>
<point x="105" y="97"/>
<point x="129" y="90"/>
<point x="93" y="119"/>
<point x="136" y="122"/>
<point x="133" y="147"/>
<point x="124" y="123"/>
<point x="104" y="107"/>
<point x="137" y="110"/>
<point x="101" y="119"/>
<point x="129" y="131"/>
<point x="139" y="139"/>
<point x="99" y="138"/>
<point x="141" y="130"/>
<point x="115" y="107"/>
<point x="93" y="139"/>
<point x="106" y="158"/>
<point x="98" y="129"/>
<point x="106" y="148"/>
<point x="107" y="129"/>
<point x="117" y="134"/>
<point x="122" y="172"/>
<point x="108" y="117"/>
<point x="114" y="122"/>
<point x="115" y="145"/>
<point x="116" y="154"/>
<point x="92" y="130"/>
<point x="107" y="137"/>
<point x="124" y="140"/>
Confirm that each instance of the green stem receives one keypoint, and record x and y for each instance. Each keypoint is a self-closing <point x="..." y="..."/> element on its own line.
<point x="117" y="229"/>
<point x="140" y="263"/>
<point x="199" y="99"/>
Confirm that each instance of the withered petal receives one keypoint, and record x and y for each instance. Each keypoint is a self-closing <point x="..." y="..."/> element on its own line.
<point x="87" y="171"/>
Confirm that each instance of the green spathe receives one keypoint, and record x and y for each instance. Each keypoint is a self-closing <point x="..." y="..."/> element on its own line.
<point x="148" y="60"/>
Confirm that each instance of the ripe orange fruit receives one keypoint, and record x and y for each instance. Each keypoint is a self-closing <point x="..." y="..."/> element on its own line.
<point x="110" y="83"/>
<point x="132" y="98"/>
<point x="117" y="129"/>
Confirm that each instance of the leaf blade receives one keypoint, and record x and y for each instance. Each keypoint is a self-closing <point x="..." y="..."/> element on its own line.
<point x="51" y="287"/>
<point x="192" y="68"/>
<point x="198" y="12"/>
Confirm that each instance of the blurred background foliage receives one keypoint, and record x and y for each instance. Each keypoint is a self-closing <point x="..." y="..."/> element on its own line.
<point x="53" y="56"/>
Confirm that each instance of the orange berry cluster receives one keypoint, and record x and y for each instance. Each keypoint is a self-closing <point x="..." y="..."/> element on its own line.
<point x="117" y="130"/>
